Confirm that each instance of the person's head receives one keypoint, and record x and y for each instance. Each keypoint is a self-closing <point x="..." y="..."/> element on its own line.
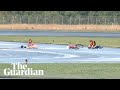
<point x="90" y="40"/>
<point x="30" y="40"/>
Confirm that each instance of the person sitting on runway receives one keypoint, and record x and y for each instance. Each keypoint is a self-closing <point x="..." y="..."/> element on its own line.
<point x="31" y="44"/>
<point x="92" y="44"/>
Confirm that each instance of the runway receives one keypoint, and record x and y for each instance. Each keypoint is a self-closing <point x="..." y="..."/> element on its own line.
<point x="10" y="52"/>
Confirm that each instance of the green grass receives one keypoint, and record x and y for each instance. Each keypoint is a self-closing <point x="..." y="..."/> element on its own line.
<point x="106" y="42"/>
<point x="72" y="70"/>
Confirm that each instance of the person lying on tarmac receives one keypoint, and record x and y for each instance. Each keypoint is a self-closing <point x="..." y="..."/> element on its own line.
<point x="92" y="44"/>
<point x="79" y="45"/>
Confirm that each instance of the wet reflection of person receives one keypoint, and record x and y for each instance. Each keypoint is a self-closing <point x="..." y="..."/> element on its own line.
<point x="26" y="61"/>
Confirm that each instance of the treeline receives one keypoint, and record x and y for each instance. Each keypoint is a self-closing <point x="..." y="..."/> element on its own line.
<point x="60" y="13"/>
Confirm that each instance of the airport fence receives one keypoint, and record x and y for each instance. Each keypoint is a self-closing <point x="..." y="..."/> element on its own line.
<point x="97" y="20"/>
